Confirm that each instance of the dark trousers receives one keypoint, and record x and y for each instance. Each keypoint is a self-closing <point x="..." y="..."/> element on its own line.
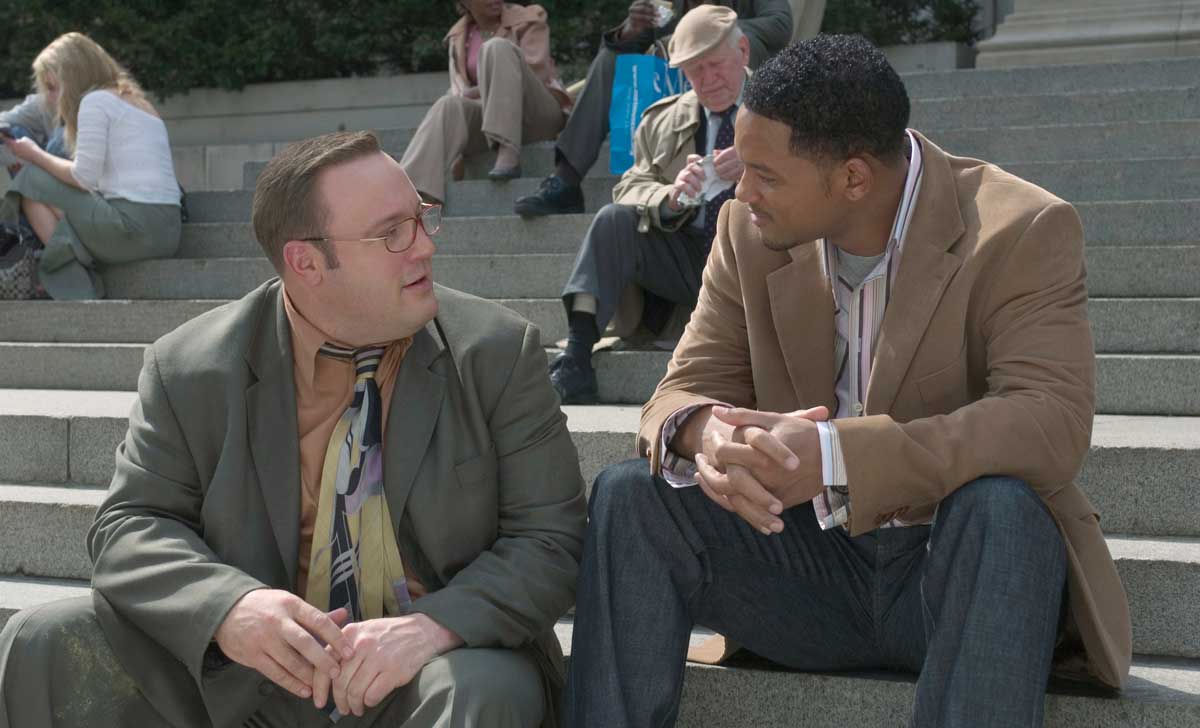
<point x="580" y="140"/>
<point x="971" y="603"/>
<point x="614" y="254"/>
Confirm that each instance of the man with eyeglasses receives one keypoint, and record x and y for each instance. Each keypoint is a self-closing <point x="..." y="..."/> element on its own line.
<point x="349" y="496"/>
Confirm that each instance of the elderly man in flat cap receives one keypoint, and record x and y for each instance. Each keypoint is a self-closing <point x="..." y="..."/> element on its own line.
<point x="658" y="230"/>
<point x="767" y="25"/>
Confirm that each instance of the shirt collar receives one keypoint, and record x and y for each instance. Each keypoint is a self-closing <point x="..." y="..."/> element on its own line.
<point x="904" y="212"/>
<point x="306" y="342"/>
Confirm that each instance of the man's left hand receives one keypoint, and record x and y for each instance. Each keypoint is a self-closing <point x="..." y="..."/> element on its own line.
<point x="728" y="165"/>
<point x="776" y="453"/>
<point x="388" y="653"/>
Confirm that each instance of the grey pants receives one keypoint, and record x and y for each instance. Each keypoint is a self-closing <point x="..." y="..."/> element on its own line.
<point x="93" y="230"/>
<point x="971" y="603"/>
<point x="614" y="254"/>
<point x="57" y="669"/>
<point x="580" y="140"/>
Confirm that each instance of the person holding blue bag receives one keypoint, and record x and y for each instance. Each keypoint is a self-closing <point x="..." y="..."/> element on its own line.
<point x="658" y="230"/>
<point x="767" y="25"/>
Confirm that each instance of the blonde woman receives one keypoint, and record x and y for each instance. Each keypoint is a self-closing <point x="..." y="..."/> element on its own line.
<point x="504" y="91"/>
<point x="117" y="200"/>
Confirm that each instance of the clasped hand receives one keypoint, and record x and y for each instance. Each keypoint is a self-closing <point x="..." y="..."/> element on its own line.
<point x="315" y="654"/>
<point x="756" y="464"/>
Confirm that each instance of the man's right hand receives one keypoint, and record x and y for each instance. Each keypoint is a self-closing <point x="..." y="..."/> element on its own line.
<point x="690" y="180"/>
<point x="280" y="635"/>
<point x="642" y="17"/>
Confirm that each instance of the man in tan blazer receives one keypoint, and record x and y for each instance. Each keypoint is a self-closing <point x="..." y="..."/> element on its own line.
<point x="883" y="396"/>
<point x="211" y="603"/>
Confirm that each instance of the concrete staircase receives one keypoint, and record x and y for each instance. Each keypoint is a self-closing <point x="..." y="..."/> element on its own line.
<point x="1120" y="141"/>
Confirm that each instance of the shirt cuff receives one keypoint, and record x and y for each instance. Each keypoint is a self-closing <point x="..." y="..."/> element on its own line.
<point x="678" y="471"/>
<point x="833" y="505"/>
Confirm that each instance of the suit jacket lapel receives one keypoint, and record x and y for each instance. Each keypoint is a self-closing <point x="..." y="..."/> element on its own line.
<point x="802" y="308"/>
<point x="413" y="414"/>
<point x="273" y="429"/>
<point x="925" y="271"/>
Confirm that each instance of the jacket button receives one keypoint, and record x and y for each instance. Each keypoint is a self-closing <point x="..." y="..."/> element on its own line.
<point x="265" y="688"/>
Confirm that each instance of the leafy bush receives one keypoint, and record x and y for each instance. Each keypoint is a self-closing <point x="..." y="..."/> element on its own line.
<point x="174" y="45"/>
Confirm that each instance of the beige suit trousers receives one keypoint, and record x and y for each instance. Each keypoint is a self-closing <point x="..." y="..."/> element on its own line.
<point x="57" y="668"/>
<point x="513" y="108"/>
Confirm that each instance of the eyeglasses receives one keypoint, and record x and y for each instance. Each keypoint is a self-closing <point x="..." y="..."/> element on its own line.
<point x="401" y="236"/>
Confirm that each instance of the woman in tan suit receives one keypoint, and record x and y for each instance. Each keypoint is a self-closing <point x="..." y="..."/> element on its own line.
<point x="504" y="91"/>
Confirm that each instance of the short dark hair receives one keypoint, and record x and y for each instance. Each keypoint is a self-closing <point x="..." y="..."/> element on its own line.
<point x="839" y="95"/>
<point x="286" y="204"/>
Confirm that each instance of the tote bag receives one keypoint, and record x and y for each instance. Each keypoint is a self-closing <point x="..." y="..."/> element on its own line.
<point x="640" y="80"/>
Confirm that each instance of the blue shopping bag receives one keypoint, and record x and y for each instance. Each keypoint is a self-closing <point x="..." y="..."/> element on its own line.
<point x="640" y="80"/>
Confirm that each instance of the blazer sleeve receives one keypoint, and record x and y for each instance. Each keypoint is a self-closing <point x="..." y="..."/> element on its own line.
<point x="644" y="185"/>
<point x="517" y="589"/>
<point x="1035" y="420"/>
<point x="533" y="38"/>
<point x="150" y="561"/>
<point x="711" y="363"/>
<point x="768" y="27"/>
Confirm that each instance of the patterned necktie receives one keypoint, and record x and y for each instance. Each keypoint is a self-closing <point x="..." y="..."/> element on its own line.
<point x="355" y="559"/>
<point x="713" y="206"/>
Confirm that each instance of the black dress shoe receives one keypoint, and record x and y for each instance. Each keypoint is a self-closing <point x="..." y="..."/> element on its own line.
<point x="554" y="197"/>
<point x="574" y="384"/>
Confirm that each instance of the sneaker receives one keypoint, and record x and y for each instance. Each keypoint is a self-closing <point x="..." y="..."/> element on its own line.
<point x="554" y="197"/>
<point x="574" y="384"/>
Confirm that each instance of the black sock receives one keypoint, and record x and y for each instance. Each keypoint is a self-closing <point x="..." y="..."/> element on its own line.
<point x="564" y="171"/>
<point x="582" y="335"/>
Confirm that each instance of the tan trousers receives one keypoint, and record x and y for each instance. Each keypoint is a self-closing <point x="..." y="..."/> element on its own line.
<point x="514" y="108"/>
<point x="57" y="669"/>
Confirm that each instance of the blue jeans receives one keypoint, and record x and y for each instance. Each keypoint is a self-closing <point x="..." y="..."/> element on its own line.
<point x="972" y="603"/>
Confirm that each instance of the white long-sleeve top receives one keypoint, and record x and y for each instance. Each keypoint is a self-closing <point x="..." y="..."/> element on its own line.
<point x="122" y="151"/>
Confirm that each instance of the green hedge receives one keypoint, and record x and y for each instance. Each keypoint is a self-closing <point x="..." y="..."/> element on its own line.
<point x="174" y="45"/>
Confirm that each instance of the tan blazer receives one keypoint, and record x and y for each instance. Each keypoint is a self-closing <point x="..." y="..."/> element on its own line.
<point x="524" y="25"/>
<point x="984" y="366"/>
<point x="481" y="477"/>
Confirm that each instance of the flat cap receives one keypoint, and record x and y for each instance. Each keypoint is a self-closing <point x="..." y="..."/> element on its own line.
<point x="699" y="31"/>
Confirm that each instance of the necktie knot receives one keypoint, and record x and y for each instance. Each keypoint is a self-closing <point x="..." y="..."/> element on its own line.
<point x="366" y="359"/>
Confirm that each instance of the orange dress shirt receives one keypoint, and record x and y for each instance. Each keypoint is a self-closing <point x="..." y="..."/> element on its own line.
<point x="324" y="389"/>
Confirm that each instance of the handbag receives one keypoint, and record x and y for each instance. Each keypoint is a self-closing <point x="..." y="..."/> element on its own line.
<point x="639" y="81"/>
<point x="18" y="267"/>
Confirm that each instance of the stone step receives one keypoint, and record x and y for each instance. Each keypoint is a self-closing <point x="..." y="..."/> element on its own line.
<point x="1162" y="692"/>
<point x="1085" y="107"/>
<point x="20" y="592"/>
<point x="220" y="227"/>
<point x="504" y="235"/>
<point x="1004" y="145"/>
<point x="1130" y="384"/>
<point x="1058" y="79"/>
<point x="1080" y="181"/>
<point x="1140" y="473"/>
<point x="1120" y="272"/>
<point x="43" y="534"/>
<point x="1128" y="325"/>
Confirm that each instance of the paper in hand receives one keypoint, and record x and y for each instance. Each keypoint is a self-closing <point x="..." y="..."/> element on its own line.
<point x="713" y="185"/>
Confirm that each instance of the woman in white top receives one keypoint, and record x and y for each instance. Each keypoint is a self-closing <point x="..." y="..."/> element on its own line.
<point x="117" y="200"/>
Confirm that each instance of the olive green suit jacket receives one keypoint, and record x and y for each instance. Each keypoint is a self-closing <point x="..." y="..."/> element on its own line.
<point x="481" y="477"/>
